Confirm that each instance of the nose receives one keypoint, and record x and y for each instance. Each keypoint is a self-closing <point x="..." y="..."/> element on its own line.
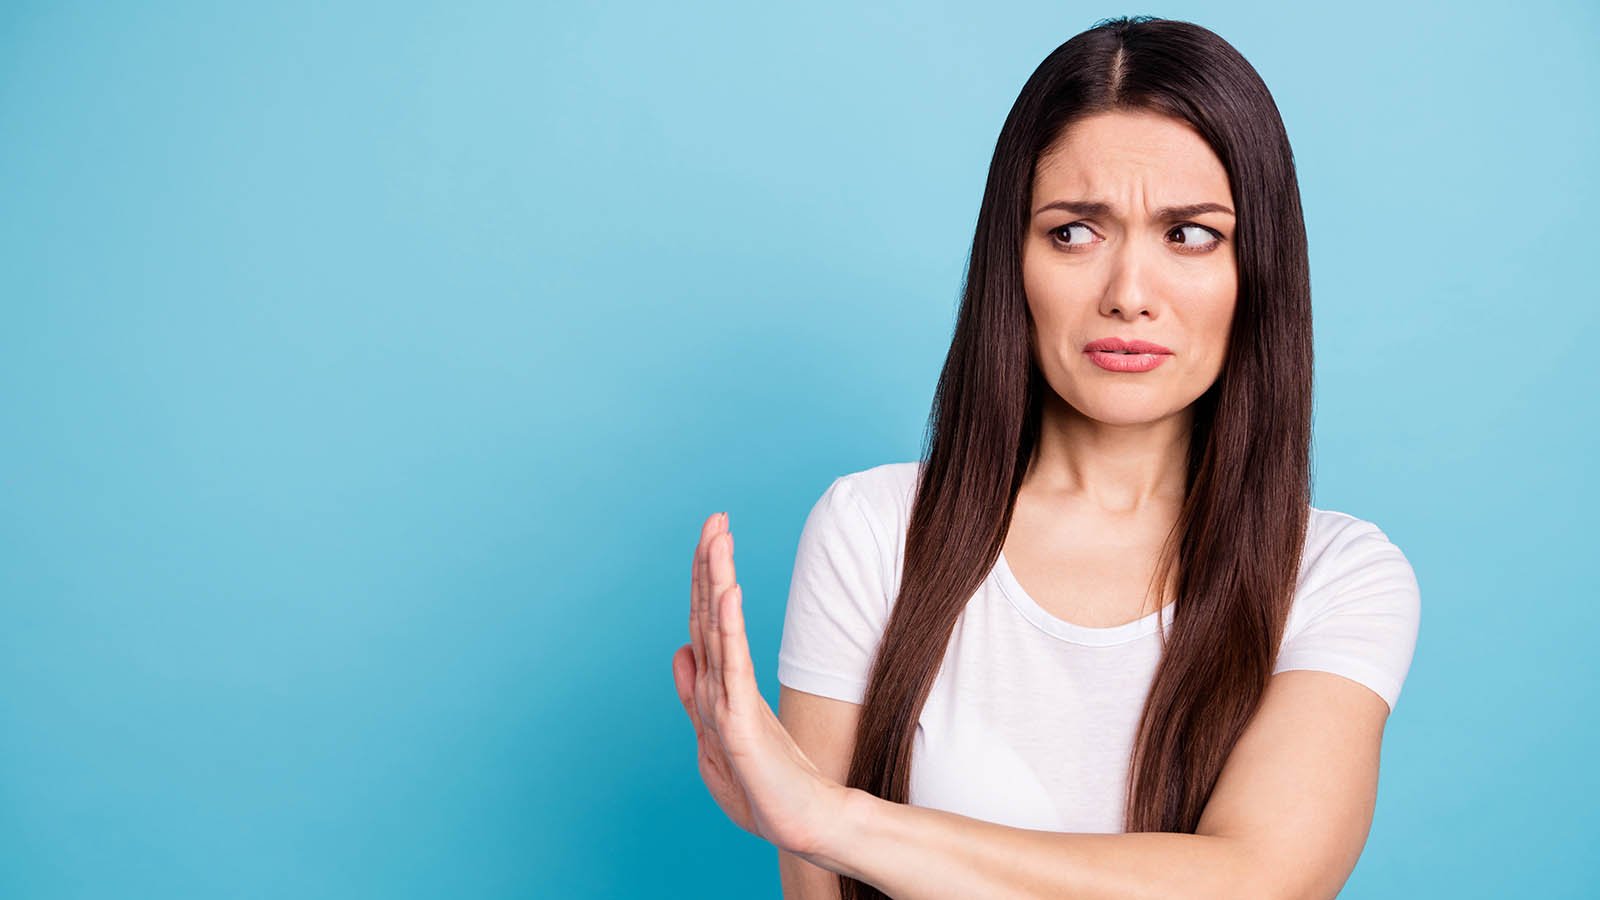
<point x="1127" y="294"/>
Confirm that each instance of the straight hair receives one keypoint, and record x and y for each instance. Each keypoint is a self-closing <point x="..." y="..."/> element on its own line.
<point x="1237" y="541"/>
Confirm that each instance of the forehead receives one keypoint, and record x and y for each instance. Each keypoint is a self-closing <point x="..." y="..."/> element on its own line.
<point x="1108" y="154"/>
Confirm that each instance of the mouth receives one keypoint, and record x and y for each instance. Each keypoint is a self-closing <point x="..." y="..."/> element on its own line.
<point x="1126" y="360"/>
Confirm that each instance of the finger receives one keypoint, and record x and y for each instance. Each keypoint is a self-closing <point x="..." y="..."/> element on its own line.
<point x="723" y="571"/>
<point x="721" y="580"/>
<point x="707" y="618"/>
<point x="699" y="587"/>
<point x="702" y="581"/>
<point x="738" y="670"/>
<point x="707" y="591"/>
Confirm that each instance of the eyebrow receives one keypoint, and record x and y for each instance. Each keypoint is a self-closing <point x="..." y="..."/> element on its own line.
<point x="1103" y="209"/>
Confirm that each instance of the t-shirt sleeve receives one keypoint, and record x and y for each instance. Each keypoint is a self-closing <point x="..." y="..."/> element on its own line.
<point x="1364" y="619"/>
<point x="838" y="599"/>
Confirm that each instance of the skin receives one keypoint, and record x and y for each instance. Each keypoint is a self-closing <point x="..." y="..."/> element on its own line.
<point x="755" y="771"/>
<point x="1115" y="437"/>
<point x="1107" y="478"/>
<point x="1112" y="443"/>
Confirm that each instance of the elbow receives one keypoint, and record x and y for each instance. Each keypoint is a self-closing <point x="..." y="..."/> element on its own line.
<point x="1265" y="875"/>
<point x="1275" y="883"/>
<point x="1261" y="887"/>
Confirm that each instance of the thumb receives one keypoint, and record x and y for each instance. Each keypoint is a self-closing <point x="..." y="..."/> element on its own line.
<point x="683" y="676"/>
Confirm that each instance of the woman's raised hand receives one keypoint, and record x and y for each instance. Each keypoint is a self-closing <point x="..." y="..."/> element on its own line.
<point x="753" y="768"/>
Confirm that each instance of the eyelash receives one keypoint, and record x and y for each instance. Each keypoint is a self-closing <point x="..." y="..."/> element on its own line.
<point x="1215" y="243"/>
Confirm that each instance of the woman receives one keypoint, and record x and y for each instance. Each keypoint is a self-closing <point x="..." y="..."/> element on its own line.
<point x="1097" y="643"/>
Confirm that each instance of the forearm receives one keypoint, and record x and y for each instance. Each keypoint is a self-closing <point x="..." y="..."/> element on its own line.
<point x="917" y="853"/>
<point x="802" y="880"/>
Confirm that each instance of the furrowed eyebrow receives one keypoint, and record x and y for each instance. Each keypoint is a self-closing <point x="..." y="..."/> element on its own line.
<point x="1102" y="209"/>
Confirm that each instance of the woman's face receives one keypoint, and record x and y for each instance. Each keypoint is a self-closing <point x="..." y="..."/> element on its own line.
<point x="1111" y="261"/>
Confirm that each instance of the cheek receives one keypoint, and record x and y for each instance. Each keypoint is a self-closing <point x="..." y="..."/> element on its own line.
<point x="1217" y="331"/>
<point x="1056" y="321"/>
<point x="1053" y="298"/>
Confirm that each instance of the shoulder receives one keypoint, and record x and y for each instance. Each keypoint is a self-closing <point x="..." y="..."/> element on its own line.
<point x="870" y="512"/>
<point x="1338" y="542"/>
<point x="1357" y="606"/>
<point x="1350" y="565"/>
<point x="883" y="492"/>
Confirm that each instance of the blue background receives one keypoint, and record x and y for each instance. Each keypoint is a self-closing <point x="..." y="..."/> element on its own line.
<point x="368" y="370"/>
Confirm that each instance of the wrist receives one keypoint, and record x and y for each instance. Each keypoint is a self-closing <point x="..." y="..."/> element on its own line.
<point x="830" y="845"/>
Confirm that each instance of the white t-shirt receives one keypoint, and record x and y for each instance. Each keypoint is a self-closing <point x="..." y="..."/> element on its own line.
<point x="1030" y="722"/>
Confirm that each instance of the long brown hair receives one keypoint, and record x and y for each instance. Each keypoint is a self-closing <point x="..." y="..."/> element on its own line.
<point x="1236" y="544"/>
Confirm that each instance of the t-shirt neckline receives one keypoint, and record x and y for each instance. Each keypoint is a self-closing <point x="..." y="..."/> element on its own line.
<point x="1068" y="631"/>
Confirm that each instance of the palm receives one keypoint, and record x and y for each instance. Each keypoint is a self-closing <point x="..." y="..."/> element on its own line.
<point x="714" y="768"/>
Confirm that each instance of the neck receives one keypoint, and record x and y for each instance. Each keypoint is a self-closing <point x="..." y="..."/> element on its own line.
<point x="1118" y="469"/>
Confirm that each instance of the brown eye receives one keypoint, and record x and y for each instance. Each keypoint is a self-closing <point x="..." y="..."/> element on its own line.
<point x="1199" y="243"/>
<point x="1056" y="232"/>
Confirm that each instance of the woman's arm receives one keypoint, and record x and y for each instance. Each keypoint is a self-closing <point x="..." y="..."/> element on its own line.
<point x="1287" y="819"/>
<point x="825" y="728"/>
<point x="801" y="880"/>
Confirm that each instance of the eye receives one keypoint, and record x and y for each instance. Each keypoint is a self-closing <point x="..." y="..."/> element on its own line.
<point x="1055" y="232"/>
<point x="1195" y="238"/>
<point x="1199" y="244"/>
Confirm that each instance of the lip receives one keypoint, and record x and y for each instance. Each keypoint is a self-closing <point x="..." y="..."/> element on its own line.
<point x="1140" y="356"/>
<point x="1122" y="344"/>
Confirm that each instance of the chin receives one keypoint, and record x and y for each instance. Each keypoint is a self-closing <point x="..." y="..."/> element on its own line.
<point x="1126" y="416"/>
<point x="1129" y="409"/>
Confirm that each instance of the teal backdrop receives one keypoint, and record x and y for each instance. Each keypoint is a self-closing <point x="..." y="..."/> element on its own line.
<point x="368" y="369"/>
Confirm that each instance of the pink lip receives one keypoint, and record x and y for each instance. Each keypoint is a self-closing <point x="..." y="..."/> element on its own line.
<point x="1141" y="356"/>
<point x="1116" y="343"/>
